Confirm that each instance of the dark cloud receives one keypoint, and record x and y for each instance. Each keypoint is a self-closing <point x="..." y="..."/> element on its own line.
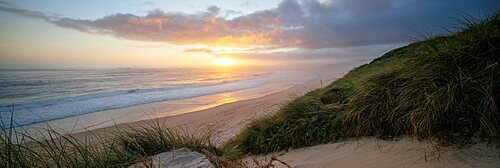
<point x="6" y="7"/>
<point x="290" y="13"/>
<point x="363" y="7"/>
<point x="308" y="24"/>
<point x="5" y="3"/>
<point x="213" y="9"/>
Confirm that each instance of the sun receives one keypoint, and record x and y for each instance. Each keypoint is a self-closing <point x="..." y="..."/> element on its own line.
<point x="224" y="61"/>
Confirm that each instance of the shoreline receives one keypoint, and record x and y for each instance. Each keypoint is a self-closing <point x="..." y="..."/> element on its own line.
<point x="160" y="109"/>
<point x="209" y="118"/>
<point x="227" y="119"/>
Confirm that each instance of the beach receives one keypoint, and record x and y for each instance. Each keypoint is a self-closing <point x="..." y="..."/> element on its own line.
<point x="231" y="112"/>
<point x="226" y="119"/>
<point x="254" y="84"/>
<point x="372" y="152"/>
<point x="224" y="113"/>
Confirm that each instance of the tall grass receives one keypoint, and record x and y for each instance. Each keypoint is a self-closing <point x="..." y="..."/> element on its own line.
<point x="446" y="88"/>
<point x="153" y="139"/>
<point x="123" y="148"/>
<point x="19" y="149"/>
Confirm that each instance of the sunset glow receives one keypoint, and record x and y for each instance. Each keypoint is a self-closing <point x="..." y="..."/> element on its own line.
<point x="158" y="33"/>
<point x="251" y="76"/>
<point x="224" y="61"/>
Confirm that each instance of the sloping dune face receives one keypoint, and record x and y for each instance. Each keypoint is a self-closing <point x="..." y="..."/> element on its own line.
<point x="370" y="152"/>
<point x="444" y="89"/>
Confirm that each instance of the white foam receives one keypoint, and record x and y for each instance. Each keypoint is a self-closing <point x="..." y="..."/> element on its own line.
<point x="35" y="112"/>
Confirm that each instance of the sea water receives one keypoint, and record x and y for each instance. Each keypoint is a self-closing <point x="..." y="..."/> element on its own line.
<point x="34" y="95"/>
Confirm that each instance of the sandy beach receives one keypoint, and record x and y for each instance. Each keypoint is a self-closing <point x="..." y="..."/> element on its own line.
<point x="254" y="84"/>
<point x="228" y="118"/>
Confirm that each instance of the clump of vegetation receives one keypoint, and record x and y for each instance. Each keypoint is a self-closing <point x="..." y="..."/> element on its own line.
<point x="153" y="139"/>
<point x="126" y="147"/>
<point x="445" y="88"/>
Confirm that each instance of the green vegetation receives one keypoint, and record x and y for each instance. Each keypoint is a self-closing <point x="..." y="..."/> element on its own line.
<point x="444" y="89"/>
<point x="19" y="149"/>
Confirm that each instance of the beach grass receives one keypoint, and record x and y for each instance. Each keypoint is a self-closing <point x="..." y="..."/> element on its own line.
<point x="119" y="149"/>
<point x="444" y="89"/>
<point x="155" y="138"/>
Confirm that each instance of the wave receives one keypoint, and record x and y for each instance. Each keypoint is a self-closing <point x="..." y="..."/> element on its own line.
<point x="41" y="111"/>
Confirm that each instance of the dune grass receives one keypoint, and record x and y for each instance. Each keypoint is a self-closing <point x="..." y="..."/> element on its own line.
<point x="20" y="149"/>
<point x="121" y="149"/>
<point x="444" y="89"/>
<point x="153" y="139"/>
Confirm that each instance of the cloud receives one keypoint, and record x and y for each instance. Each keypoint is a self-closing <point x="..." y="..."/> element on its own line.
<point x="308" y="24"/>
<point x="199" y="50"/>
<point x="148" y="3"/>
<point x="5" y="3"/>
<point x="231" y="13"/>
<point x="213" y="9"/>
<point x="6" y="7"/>
<point x="358" y="52"/>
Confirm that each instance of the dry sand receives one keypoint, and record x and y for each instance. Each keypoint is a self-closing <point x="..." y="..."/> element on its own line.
<point x="374" y="153"/>
<point x="228" y="119"/>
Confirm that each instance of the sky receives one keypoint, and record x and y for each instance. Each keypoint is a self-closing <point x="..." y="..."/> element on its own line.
<point x="167" y="33"/>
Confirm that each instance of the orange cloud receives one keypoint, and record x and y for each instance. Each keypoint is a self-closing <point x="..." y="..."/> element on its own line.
<point x="310" y="24"/>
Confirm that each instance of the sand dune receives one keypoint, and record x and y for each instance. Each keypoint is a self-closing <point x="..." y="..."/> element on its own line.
<point x="371" y="152"/>
<point x="228" y="119"/>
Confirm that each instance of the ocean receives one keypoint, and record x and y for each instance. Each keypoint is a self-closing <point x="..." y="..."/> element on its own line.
<point x="35" y="95"/>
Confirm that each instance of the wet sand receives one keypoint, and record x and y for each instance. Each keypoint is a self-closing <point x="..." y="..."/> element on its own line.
<point x="227" y="119"/>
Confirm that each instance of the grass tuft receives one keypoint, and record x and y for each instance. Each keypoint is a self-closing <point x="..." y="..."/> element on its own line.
<point x="123" y="148"/>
